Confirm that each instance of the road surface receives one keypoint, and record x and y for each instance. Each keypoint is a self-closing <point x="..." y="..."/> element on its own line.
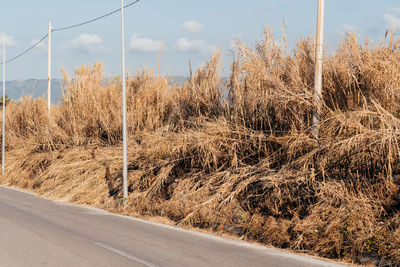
<point x="38" y="232"/>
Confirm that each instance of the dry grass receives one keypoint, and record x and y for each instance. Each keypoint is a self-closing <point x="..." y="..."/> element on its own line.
<point x="235" y="156"/>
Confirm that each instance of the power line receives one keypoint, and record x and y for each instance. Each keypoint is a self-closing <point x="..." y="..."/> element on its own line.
<point x="27" y="50"/>
<point x="93" y="20"/>
<point x="66" y="28"/>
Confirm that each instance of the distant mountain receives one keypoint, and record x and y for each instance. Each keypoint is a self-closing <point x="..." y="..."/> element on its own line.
<point x="32" y="87"/>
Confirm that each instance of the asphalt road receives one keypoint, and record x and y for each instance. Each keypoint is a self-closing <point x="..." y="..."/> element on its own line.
<point x="38" y="232"/>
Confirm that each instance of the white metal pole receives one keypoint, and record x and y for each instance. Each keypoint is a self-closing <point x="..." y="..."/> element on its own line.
<point x="124" y="131"/>
<point x="3" y="139"/>
<point x="49" y="71"/>
<point x="319" y="51"/>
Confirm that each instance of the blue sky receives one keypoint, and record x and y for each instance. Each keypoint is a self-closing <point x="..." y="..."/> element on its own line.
<point x="188" y="30"/>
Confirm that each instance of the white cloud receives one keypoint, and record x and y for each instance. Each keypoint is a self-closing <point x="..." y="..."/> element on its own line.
<point x="346" y="28"/>
<point x="194" y="46"/>
<point x="392" y="22"/>
<point x="9" y="40"/>
<point x="146" y="45"/>
<point x="395" y="11"/>
<point x="192" y="26"/>
<point x="91" y="43"/>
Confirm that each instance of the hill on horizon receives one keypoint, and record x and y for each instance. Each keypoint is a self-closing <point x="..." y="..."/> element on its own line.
<point x="33" y="87"/>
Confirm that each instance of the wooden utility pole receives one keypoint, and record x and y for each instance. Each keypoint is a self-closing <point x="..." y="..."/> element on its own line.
<point x="319" y="53"/>
<point x="3" y="139"/>
<point x="124" y="131"/>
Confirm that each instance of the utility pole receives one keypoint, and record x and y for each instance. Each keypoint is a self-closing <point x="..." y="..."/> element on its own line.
<point x="3" y="139"/>
<point x="124" y="131"/>
<point x="319" y="52"/>
<point x="49" y="71"/>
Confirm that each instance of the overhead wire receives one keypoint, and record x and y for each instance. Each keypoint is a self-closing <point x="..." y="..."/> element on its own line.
<point x="27" y="50"/>
<point x="66" y="28"/>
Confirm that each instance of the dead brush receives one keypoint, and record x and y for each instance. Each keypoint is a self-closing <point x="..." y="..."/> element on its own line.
<point x="90" y="111"/>
<point x="28" y="125"/>
<point x="149" y="102"/>
<point x="357" y="74"/>
<point x="269" y="92"/>
<point x="203" y="94"/>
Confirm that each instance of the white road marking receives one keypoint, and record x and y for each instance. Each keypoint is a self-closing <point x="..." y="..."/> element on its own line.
<point x="126" y="255"/>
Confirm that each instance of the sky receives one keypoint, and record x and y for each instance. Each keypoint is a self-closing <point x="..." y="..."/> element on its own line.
<point x="186" y="30"/>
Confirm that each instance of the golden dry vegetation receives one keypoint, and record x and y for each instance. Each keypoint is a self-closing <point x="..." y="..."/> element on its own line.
<point x="235" y="156"/>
